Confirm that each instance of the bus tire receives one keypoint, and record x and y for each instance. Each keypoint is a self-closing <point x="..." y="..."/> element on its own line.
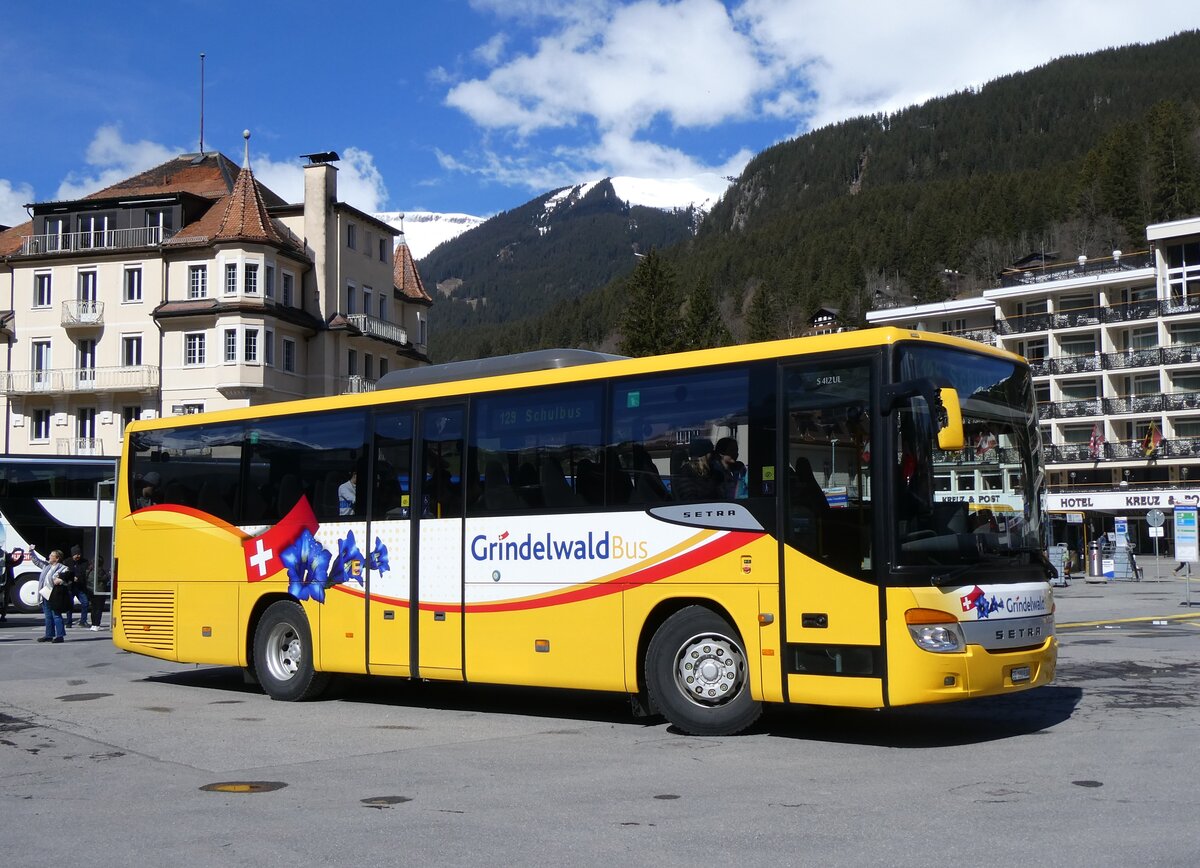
<point x="696" y="674"/>
<point x="23" y="593"/>
<point x="283" y="654"/>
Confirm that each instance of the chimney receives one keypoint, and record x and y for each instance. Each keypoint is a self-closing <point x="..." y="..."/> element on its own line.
<point x="320" y="229"/>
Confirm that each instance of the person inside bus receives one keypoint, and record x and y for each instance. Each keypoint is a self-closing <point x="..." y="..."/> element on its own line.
<point x="347" y="494"/>
<point x="149" y="492"/>
<point x="5" y="572"/>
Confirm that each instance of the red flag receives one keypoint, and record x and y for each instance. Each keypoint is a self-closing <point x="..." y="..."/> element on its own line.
<point x="263" y="551"/>
<point x="1096" y="443"/>
<point x="985" y="444"/>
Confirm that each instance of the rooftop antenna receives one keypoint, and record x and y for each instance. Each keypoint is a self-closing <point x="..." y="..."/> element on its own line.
<point x="201" y="103"/>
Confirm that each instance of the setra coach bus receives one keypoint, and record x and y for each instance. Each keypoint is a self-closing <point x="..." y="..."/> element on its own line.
<point x="707" y="531"/>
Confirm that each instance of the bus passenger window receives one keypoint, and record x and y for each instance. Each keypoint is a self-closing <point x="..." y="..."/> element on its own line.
<point x="537" y="451"/>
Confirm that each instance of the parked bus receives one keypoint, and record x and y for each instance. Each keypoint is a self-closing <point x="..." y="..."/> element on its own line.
<point x="54" y="503"/>
<point x="706" y="531"/>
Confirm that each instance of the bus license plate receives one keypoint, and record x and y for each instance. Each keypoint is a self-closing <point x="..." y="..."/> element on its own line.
<point x="1019" y="674"/>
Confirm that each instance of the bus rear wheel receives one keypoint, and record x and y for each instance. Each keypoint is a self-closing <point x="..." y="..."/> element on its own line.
<point x="283" y="654"/>
<point x="696" y="674"/>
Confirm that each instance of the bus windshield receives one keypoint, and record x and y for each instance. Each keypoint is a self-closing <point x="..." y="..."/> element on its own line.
<point x="978" y="509"/>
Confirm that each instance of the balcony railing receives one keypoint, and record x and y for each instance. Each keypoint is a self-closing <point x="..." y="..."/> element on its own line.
<point x="1135" y="310"/>
<point x="102" y="239"/>
<point x="1075" y="364"/>
<point x="131" y="378"/>
<point x="1072" y="270"/>
<point x="379" y="328"/>
<point x="356" y="385"/>
<point x="83" y="312"/>
<point x="1075" y="409"/>
<point x="1150" y="357"/>
<point x="78" y="446"/>
<point x="1134" y="404"/>
<point x="1122" y="450"/>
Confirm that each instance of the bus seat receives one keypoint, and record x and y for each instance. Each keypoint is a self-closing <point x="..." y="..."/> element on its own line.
<point x="497" y="492"/>
<point x="290" y="491"/>
<point x="555" y="490"/>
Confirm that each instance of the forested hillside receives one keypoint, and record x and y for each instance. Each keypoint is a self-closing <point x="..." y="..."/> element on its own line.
<point x="554" y="248"/>
<point x="1073" y="157"/>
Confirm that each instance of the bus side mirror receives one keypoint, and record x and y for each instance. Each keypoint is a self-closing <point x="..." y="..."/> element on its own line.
<point x="948" y="418"/>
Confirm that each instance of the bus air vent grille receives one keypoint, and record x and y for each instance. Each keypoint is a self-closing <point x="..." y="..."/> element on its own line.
<point x="148" y="618"/>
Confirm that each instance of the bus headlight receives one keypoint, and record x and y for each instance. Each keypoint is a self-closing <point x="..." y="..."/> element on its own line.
<point x="935" y="631"/>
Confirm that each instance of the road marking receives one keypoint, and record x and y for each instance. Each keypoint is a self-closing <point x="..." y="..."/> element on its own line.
<point x="1167" y="618"/>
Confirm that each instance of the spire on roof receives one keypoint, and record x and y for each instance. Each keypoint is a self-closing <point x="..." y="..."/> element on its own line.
<point x="245" y="214"/>
<point x="404" y="273"/>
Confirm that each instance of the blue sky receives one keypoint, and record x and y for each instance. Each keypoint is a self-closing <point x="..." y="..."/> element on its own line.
<point x="476" y="106"/>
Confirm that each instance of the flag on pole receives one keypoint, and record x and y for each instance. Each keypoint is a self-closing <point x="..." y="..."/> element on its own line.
<point x="1096" y="443"/>
<point x="1151" y="440"/>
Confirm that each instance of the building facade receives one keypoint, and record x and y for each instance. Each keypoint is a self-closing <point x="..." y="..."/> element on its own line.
<point x="1114" y="344"/>
<point x="192" y="287"/>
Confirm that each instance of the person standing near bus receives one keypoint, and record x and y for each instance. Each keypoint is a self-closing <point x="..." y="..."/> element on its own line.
<point x="5" y="572"/>
<point x="80" y="570"/>
<point x="52" y="591"/>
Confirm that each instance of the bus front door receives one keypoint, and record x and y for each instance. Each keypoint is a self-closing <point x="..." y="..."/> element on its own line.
<point x="415" y="599"/>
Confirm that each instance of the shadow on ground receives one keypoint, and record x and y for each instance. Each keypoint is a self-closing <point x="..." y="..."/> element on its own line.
<point x="931" y="726"/>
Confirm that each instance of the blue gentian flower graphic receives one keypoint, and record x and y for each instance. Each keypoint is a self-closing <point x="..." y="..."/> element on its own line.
<point x="307" y="565"/>
<point x="349" y="562"/>
<point x="378" y="559"/>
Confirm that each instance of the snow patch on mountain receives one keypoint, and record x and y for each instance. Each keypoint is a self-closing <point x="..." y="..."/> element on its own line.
<point x="425" y="230"/>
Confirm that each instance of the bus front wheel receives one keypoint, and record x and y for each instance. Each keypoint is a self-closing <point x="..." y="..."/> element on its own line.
<point x="283" y="654"/>
<point x="696" y="674"/>
<point x="23" y="590"/>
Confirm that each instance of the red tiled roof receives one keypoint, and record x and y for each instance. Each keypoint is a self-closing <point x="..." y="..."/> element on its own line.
<point x="245" y="214"/>
<point x="208" y="175"/>
<point x="10" y="239"/>
<point x="405" y="275"/>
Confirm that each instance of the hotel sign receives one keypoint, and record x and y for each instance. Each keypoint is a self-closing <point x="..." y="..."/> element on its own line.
<point x="1123" y="500"/>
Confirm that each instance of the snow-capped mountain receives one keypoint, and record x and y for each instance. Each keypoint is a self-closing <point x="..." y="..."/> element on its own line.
<point x="425" y="230"/>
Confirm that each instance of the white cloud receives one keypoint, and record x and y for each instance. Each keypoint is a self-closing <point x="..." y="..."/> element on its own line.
<point x="111" y="159"/>
<point x="622" y="77"/>
<point x="359" y="181"/>
<point x="12" y="202"/>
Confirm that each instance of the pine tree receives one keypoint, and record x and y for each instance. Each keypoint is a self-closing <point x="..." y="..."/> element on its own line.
<point x="1173" y="172"/>
<point x="650" y="322"/>
<point x="762" y="320"/>
<point x="702" y="325"/>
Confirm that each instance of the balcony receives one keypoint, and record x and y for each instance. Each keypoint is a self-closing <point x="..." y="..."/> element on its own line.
<point x="357" y="385"/>
<point x="1122" y="450"/>
<point x="1134" y="404"/>
<point x="373" y="327"/>
<point x="102" y="239"/>
<point x="78" y="446"/>
<point x="1135" y="310"/>
<point x="1073" y="270"/>
<point x="1075" y="409"/>
<point x="58" y="381"/>
<point x="1150" y="357"/>
<point x="84" y="313"/>
<point x="1081" y="364"/>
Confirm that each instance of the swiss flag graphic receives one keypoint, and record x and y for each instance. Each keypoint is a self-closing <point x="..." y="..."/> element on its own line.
<point x="263" y="551"/>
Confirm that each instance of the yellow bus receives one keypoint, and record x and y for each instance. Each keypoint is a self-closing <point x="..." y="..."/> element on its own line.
<point x="706" y="531"/>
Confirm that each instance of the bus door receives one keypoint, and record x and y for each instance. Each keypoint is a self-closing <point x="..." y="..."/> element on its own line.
<point x="415" y="597"/>
<point x="831" y="601"/>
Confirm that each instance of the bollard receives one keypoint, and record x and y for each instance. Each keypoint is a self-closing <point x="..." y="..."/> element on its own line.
<point x="1095" y="565"/>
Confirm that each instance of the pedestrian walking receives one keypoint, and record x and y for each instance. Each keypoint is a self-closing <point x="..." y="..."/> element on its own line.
<point x="80" y="571"/>
<point x="53" y="593"/>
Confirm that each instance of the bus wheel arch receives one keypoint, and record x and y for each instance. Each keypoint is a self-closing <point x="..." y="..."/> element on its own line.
<point x="696" y="672"/>
<point x="282" y="652"/>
